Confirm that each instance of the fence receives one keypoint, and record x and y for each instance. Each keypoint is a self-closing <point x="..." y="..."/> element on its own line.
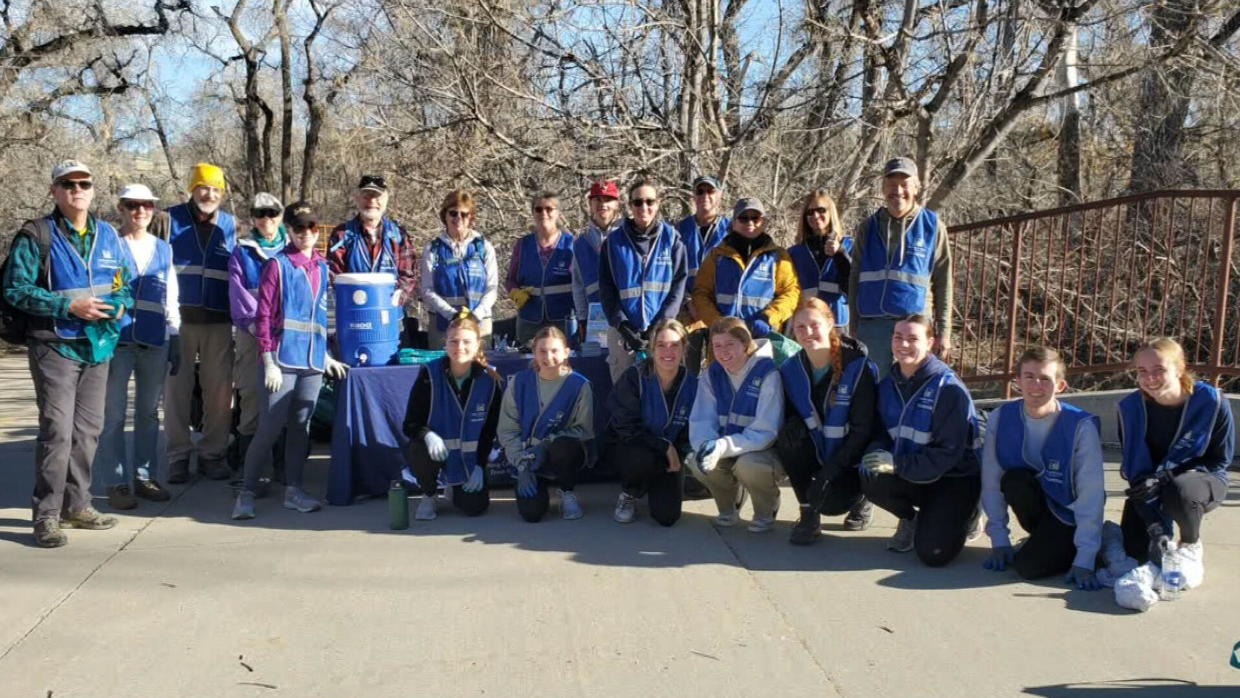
<point x="1095" y="280"/>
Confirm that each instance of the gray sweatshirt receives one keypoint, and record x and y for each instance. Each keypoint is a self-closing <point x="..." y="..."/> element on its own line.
<point x="580" y="424"/>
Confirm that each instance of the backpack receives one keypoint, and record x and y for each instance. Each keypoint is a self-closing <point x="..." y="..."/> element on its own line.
<point x="14" y="323"/>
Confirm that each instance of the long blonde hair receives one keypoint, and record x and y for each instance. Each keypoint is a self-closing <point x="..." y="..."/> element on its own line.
<point x="835" y="229"/>
<point x="1170" y="350"/>
<point x="667" y="323"/>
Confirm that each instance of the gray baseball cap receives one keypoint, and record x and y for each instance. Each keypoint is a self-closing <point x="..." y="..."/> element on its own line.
<point x="747" y="204"/>
<point x="66" y="167"/>
<point x="904" y="166"/>
<point x="266" y="200"/>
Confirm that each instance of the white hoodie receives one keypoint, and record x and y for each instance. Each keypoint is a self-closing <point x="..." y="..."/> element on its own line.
<point x="759" y="435"/>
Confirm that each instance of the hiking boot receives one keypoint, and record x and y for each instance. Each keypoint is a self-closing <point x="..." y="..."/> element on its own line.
<point x="626" y="508"/>
<point x="570" y="508"/>
<point x="47" y="534"/>
<point x="426" y="509"/>
<point x="215" y="469"/>
<point x="243" y="508"/>
<point x="297" y="500"/>
<point x="151" y="491"/>
<point x="88" y="519"/>
<point x="902" y="541"/>
<point x="808" y="528"/>
<point x="178" y="472"/>
<point x="121" y="498"/>
<point x="859" y="516"/>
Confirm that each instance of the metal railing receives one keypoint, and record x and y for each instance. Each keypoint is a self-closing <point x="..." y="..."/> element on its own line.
<point x="1095" y="280"/>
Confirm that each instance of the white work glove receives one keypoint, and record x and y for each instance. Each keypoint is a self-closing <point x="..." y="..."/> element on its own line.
<point x="877" y="463"/>
<point x="334" y="369"/>
<point x="435" y="446"/>
<point x="397" y="297"/>
<point x="707" y="455"/>
<point x="273" y="377"/>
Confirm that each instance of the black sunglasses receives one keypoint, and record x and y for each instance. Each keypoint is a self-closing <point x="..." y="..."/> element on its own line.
<point x="71" y="184"/>
<point x="544" y="209"/>
<point x="637" y="203"/>
<point x="749" y="219"/>
<point x="377" y="181"/>
<point x="818" y="211"/>
<point x="264" y="212"/>
<point x="135" y="205"/>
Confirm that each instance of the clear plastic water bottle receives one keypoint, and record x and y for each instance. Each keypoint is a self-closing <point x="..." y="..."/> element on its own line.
<point x="1172" y="575"/>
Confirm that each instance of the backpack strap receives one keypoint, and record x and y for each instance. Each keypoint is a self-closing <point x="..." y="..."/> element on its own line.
<point x="40" y="230"/>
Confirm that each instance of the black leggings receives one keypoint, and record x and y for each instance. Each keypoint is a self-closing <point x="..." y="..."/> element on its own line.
<point x="943" y="509"/>
<point x="427" y="472"/>
<point x="643" y="471"/>
<point x="1186" y="499"/>
<point x="565" y="456"/>
<point x="1051" y="547"/>
<point x="800" y="462"/>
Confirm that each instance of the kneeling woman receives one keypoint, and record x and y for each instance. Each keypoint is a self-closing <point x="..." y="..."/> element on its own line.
<point x="923" y="465"/>
<point x="546" y="418"/>
<point x="830" y="391"/>
<point x="291" y="329"/>
<point x="648" y="435"/>
<point x="1177" y="436"/>
<point x="734" y="422"/>
<point x="451" y="419"/>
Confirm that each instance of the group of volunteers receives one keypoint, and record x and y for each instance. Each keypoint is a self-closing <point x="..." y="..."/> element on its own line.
<point x="865" y="413"/>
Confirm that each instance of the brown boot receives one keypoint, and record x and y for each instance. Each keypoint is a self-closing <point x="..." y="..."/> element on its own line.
<point x="47" y="534"/>
<point x="88" y="518"/>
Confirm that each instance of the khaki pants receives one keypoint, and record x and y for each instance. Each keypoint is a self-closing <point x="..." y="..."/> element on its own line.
<point x="211" y="345"/>
<point x="618" y="358"/>
<point x="248" y="375"/>
<point x="760" y="473"/>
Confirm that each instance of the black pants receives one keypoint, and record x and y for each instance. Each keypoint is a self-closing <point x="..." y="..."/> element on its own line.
<point x="1051" y="547"/>
<point x="643" y="471"/>
<point x="943" y="509"/>
<point x="427" y="472"/>
<point x="1186" y="499"/>
<point x="565" y="456"/>
<point x="800" y="462"/>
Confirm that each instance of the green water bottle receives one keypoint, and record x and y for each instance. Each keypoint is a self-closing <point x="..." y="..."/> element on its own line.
<point x="398" y="507"/>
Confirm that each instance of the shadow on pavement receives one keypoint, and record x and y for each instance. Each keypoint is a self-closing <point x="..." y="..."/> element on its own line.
<point x="1163" y="688"/>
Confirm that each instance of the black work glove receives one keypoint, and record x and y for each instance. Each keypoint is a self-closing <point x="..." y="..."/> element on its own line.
<point x="1148" y="487"/>
<point x="631" y="337"/>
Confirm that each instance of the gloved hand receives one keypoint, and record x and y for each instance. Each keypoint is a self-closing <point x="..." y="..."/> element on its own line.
<point x="462" y="313"/>
<point x="527" y="483"/>
<point x="334" y="369"/>
<point x="1000" y="558"/>
<point x="475" y="481"/>
<point x="708" y="455"/>
<point x="759" y="327"/>
<point x="631" y="337"/>
<point x="398" y="296"/>
<point x="435" y="446"/>
<point x="1084" y="579"/>
<point x="174" y="355"/>
<point x="520" y="296"/>
<point x="877" y="463"/>
<point x="273" y="378"/>
<point x="1144" y="490"/>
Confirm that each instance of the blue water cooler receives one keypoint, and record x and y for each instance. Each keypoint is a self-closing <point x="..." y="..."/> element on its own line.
<point x="367" y="324"/>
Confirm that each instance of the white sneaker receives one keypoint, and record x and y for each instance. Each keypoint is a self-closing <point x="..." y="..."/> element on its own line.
<point x="297" y="500"/>
<point x="1192" y="563"/>
<point x="569" y="506"/>
<point x="243" y="508"/>
<point x="626" y="508"/>
<point x="726" y="519"/>
<point x="761" y="524"/>
<point x="426" y="508"/>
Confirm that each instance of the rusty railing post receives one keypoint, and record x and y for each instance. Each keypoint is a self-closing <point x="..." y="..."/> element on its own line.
<point x="1220" y="306"/>
<point x="1013" y="299"/>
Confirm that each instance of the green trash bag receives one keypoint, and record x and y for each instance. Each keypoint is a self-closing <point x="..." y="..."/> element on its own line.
<point x="782" y="347"/>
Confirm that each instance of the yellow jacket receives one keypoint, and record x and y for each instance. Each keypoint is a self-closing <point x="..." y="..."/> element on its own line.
<point x="787" y="289"/>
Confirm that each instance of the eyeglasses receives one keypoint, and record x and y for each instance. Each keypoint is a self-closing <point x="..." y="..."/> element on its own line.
<point x="71" y="184"/>
<point x="135" y="205"/>
<point x="749" y="219"/>
<point x="817" y="211"/>
<point x="264" y="212"/>
<point x="544" y="209"/>
<point x="459" y="214"/>
<point x="638" y="203"/>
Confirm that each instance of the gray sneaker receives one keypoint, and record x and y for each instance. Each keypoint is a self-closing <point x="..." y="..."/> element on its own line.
<point x="626" y="508"/>
<point x="243" y="508"/>
<point x="426" y="509"/>
<point x="570" y="508"/>
<point x="47" y="534"/>
<point x="860" y="516"/>
<point x="88" y="519"/>
<point x="297" y="500"/>
<point x="902" y="541"/>
<point x="761" y="524"/>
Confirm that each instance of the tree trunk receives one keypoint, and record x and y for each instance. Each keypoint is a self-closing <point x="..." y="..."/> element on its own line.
<point x="1070" y="127"/>
<point x="286" y="95"/>
<point x="1158" y="146"/>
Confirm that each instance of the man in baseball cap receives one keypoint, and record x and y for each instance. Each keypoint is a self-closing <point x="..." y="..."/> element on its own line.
<point x="604" y="203"/>
<point x="704" y="229"/>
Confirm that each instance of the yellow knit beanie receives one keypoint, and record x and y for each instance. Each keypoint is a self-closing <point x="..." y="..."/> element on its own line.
<point x="206" y="174"/>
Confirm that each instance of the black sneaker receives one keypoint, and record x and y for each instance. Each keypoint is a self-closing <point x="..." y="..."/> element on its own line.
<point x="120" y="498"/>
<point x="215" y="469"/>
<point x="859" y="516"/>
<point x="178" y="472"/>
<point x="808" y="529"/>
<point x="150" y="491"/>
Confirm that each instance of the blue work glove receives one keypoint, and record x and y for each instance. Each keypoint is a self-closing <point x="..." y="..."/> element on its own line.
<point x="527" y="483"/>
<point x="1084" y="579"/>
<point x="877" y="463"/>
<point x="759" y="327"/>
<point x="174" y="355"/>
<point x="1000" y="558"/>
<point x="475" y="481"/>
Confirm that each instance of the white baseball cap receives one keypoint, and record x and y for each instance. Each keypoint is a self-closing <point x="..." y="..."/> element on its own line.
<point x="65" y="167"/>
<point x="137" y="192"/>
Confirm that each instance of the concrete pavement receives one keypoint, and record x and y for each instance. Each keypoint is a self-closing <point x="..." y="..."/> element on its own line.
<point x="179" y="600"/>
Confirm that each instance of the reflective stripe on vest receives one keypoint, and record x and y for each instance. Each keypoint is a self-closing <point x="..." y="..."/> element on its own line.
<point x="798" y="387"/>
<point x="460" y="281"/>
<point x="303" y="334"/>
<point x="72" y="277"/>
<point x="827" y="279"/>
<point x="459" y="429"/>
<point x="644" y="284"/>
<point x="586" y="258"/>
<point x="538" y="423"/>
<point x="695" y="247"/>
<point x="891" y="283"/>
<point x="357" y="248"/>
<point x="1192" y="436"/>
<point x="202" y="275"/>
<point x="147" y="323"/>
<point x="738" y="409"/>
<point x="551" y="285"/>
<point x="744" y="293"/>
<point x="656" y="416"/>
<point x="911" y="425"/>
<point x="1054" y="468"/>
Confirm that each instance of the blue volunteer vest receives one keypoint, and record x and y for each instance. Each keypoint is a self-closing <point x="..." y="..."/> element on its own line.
<point x="552" y="295"/>
<point x="832" y="286"/>
<point x="695" y="247"/>
<point x="303" y="335"/>
<point x="890" y="284"/>
<point x="1054" y="470"/>
<point x="459" y="281"/>
<point x="826" y="432"/>
<point x="744" y="293"/>
<point x="737" y="410"/>
<point x="72" y="277"/>
<point x="148" y="322"/>
<point x="250" y="257"/>
<point x="357" y="248"/>
<point x="667" y="421"/>
<point x="586" y="257"/>
<point x="459" y="428"/>
<point x="644" y="285"/>
<point x="539" y="424"/>
<point x="202" y="274"/>
<point x="911" y="424"/>
<point x="1192" y="438"/>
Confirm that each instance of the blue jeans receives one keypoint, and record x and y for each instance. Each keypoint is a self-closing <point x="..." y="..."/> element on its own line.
<point x="148" y="366"/>
<point x="291" y="406"/>
<point x="875" y="334"/>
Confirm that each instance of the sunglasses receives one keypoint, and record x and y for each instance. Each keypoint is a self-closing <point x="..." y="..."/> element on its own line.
<point x="638" y="203"/>
<point x="818" y="211"/>
<point x="749" y="219"/>
<point x="135" y="205"/>
<point x="544" y="209"/>
<point x="264" y="212"/>
<point x="71" y="184"/>
<point x="704" y="192"/>
<point x="459" y="214"/>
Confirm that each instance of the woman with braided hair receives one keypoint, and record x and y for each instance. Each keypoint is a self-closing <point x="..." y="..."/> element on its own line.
<point x="829" y="393"/>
